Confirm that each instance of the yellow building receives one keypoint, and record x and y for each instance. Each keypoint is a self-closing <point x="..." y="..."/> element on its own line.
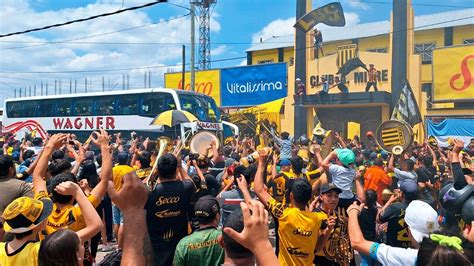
<point x="371" y="42"/>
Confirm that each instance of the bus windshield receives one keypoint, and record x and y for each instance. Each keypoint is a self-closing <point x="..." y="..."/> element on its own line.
<point x="204" y="108"/>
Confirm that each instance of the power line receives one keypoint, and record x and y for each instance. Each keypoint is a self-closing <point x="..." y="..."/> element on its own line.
<point x="219" y="60"/>
<point x="89" y="36"/>
<point x="83" y="19"/>
<point x="113" y="69"/>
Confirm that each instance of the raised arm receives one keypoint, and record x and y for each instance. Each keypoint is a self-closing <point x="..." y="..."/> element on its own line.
<point x="102" y="140"/>
<point x="359" y="187"/>
<point x="391" y="164"/>
<point x="215" y="152"/>
<point x="79" y="160"/>
<point x="327" y="161"/>
<point x="242" y="183"/>
<point x="459" y="178"/>
<point x="254" y="236"/>
<point x="39" y="174"/>
<point x="131" y="200"/>
<point x="358" y="241"/>
<point x="340" y="140"/>
<point x="90" y="215"/>
<point x="259" y="183"/>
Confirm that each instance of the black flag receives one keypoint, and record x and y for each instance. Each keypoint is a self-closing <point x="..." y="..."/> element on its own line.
<point x="351" y="65"/>
<point x="330" y="14"/>
<point x="406" y="108"/>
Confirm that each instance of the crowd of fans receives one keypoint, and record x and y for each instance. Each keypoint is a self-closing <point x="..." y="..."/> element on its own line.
<point x="61" y="200"/>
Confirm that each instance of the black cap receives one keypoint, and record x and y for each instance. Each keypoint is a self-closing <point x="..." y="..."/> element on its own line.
<point x="325" y="188"/>
<point x="206" y="208"/>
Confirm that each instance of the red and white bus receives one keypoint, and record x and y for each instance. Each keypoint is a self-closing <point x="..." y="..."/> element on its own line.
<point x="115" y="111"/>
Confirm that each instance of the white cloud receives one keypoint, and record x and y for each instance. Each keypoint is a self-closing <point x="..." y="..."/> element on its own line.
<point x="219" y="50"/>
<point x="358" y="4"/>
<point x="281" y="27"/>
<point x="17" y="15"/>
<point x="275" y="28"/>
<point x="243" y="63"/>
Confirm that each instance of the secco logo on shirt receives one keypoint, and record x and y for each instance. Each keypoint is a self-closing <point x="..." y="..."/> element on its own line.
<point x="167" y="200"/>
<point x="167" y="214"/>
<point x="302" y="232"/>
<point x="297" y="252"/>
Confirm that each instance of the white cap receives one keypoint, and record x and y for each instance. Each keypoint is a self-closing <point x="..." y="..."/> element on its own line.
<point x="422" y="219"/>
<point x="298" y="79"/>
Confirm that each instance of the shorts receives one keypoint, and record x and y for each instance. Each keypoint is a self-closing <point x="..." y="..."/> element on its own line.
<point x="117" y="215"/>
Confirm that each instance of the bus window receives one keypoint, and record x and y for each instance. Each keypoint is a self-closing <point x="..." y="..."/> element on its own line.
<point x="29" y="108"/>
<point x="127" y="104"/>
<point x="83" y="106"/>
<point x="45" y="108"/>
<point x="64" y="107"/>
<point x="104" y="106"/>
<point x="13" y="109"/>
<point x="203" y="108"/>
<point x="155" y="103"/>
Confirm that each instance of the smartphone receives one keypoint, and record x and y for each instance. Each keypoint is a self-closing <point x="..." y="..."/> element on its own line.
<point x="71" y="142"/>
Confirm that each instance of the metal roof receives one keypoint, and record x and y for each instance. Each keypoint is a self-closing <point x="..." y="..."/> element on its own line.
<point x="424" y="22"/>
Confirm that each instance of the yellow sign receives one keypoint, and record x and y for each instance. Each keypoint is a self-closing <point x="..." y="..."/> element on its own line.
<point x="453" y="73"/>
<point x="207" y="82"/>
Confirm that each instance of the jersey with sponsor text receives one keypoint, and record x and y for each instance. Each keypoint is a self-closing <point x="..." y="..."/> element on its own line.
<point x="167" y="215"/>
<point x="298" y="233"/>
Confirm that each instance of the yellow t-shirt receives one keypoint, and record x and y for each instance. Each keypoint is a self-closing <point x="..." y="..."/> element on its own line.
<point x="118" y="173"/>
<point x="69" y="216"/>
<point x="298" y="233"/>
<point x="25" y="255"/>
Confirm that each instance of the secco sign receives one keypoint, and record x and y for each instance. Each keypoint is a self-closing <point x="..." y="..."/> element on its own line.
<point x="253" y="85"/>
<point x="453" y="70"/>
<point x="207" y="82"/>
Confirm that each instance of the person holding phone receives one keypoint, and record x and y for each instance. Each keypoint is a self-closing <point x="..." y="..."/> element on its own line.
<point x="326" y="205"/>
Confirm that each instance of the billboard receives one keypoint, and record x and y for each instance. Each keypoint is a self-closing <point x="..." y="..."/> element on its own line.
<point x="207" y="82"/>
<point x="253" y="85"/>
<point x="453" y="70"/>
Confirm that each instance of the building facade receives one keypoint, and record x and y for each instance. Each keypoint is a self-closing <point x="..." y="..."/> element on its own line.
<point x="372" y="44"/>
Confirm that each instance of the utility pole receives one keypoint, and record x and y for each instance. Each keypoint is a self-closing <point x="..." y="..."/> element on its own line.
<point x="183" y="71"/>
<point x="193" y="49"/>
<point x="144" y="81"/>
<point x="149" y="79"/>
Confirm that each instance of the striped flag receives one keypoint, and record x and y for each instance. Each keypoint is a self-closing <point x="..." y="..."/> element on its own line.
<point x="406" y="108"/>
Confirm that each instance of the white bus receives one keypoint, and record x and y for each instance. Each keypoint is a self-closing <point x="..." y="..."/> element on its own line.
<point x="115" y="111"/>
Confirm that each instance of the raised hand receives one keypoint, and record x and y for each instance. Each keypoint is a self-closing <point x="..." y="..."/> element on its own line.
<point x="255" y="233"/>
<point x="458" y="145"/>
<point x="242" y="183"/>
<point x="100" y="139"/>
<point x="68" y="188"/>
<point x="57" y="140"/>
<point x="132" y="196"/>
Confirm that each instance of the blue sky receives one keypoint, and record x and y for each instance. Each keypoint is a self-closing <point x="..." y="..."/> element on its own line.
<point x="236" y="24"/>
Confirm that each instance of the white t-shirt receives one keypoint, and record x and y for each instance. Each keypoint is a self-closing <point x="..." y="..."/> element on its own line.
<point x="404" y="175"/>
<point x="343" y="177"/>
<point x="388" y="255"/>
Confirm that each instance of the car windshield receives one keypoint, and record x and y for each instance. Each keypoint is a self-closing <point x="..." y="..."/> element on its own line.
<point x="204" y="108"/>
